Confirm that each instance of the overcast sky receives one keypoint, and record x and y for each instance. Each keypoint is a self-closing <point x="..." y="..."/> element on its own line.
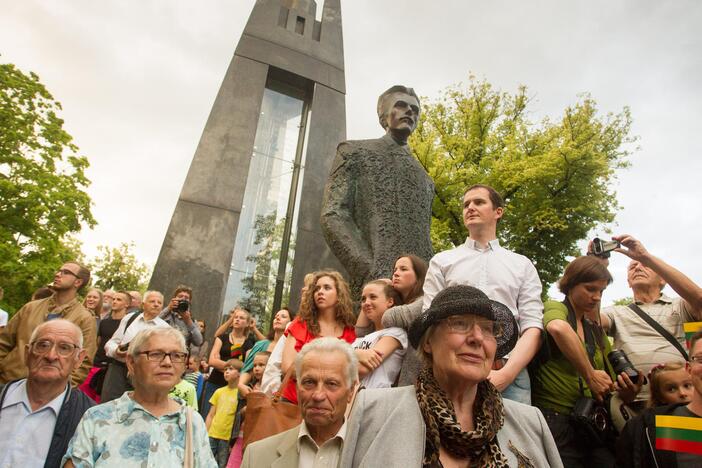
<point x="137" y="79"/>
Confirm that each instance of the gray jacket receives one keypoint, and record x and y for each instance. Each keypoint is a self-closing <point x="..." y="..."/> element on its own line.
<point x="386" y="429"/>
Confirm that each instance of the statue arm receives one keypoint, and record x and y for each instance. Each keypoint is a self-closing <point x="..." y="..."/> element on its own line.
<point x="338" y="223"/>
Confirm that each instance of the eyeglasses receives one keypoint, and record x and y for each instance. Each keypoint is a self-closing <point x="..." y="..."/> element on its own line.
<point x="696" y="359"/>
<point x="42" y="347"/>
<point x="465" y="324"/>
<point x="158" y="356"/>
<point x="64" y="271"/>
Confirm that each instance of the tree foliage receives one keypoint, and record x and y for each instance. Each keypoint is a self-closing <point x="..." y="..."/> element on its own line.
<point x="43" y="186"/>
<point x="555" y="176"/>
<point x="260" y="285"/>
<point x="118" y="268"/>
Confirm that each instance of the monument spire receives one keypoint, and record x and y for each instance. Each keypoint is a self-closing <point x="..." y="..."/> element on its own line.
<point x="245" y="229"/>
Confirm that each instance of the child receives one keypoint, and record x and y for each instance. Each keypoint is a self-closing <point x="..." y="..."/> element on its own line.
<point x="379" y="353"/>
<point x="670" y="383"/>
<point x="220" y="419"/>
<point x="251" y="381"/>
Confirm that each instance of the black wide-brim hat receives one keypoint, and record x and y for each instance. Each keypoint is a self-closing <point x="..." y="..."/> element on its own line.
<point x="463" y="300"/>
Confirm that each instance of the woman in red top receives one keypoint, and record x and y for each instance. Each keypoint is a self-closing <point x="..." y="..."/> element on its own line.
<point x="325" y="310"/>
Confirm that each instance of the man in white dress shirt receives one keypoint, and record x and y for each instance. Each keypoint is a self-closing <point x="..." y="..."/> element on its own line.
<point x="327" y="370"/>
<point x="503" y="275"/>
<point x="116" y="382"/>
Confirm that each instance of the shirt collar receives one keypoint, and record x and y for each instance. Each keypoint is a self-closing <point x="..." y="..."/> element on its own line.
<point x="390" y="141"/>
<point x="304" y="434"/>
<point x="125" y="406"/>
<point x="473" y="245"/>
<point x="19" y="395"/>
<point x="54" y="308"/>
<point x="661" y="299"/>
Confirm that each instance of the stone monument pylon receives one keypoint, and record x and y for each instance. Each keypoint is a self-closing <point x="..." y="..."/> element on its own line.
<point x="245" y="229"/>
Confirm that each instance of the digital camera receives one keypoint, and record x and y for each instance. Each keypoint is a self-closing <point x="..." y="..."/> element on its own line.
<point x="602" y="248"/>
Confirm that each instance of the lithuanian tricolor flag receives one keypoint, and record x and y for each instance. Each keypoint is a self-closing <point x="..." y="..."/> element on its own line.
<point x="690" y="329"/>
<point x="679" y="434"/>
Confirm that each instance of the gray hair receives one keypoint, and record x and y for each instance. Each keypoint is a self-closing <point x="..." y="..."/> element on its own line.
<point x="42" y="326"/>
<point x="330" y="344"/>
<point x="141" y="338"/>
<point x="151" y="293"/>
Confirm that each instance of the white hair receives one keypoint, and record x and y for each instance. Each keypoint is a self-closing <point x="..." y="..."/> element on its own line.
<point x="141" y="338"/>
<point x="330" y="344"/>
<point x="150" y="293"/>
<point x="42" y="326"/>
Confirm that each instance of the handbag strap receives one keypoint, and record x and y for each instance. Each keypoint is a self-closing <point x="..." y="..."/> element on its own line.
<point x="288" y="375"/>
<point x="657" y="326"/>
<point x="188" y="453"/>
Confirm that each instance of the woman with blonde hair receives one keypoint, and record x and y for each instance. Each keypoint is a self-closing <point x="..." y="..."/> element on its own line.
<point x="229" y="345"/>
<point x="325" y="310"/>
<point x="93" y="302"/>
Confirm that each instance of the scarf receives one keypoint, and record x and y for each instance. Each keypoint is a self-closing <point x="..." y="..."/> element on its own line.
<point x="443" y="428"/>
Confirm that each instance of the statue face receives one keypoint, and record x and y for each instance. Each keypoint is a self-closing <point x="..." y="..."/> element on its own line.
<point x="402" y="114"/>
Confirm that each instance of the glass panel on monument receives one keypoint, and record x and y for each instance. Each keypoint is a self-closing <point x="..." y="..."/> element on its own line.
<point x="252" y="276"/>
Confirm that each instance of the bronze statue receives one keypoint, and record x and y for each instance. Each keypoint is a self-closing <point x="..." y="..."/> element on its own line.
<point x="377" y="201"/>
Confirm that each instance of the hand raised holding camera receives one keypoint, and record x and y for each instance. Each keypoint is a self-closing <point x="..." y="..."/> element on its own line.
<point x="635" y="250"/>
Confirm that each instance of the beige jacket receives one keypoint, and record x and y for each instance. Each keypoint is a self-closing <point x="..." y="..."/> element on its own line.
<point x="18" y="331"/>
<point x="278" y="451"/>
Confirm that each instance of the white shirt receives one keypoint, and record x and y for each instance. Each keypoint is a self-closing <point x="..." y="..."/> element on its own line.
<point x="3" y="318"/>
<point x="384" y="376"/>
<point x="122" y="337"/>
<point x="326" y="456"/>
<point x="503" y="275"/>
<point x="272" y="374"/>
<point x="26" y="434"/>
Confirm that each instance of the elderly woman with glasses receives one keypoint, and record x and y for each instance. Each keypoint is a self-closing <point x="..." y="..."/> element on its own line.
<point x="453" y="416"/>
<point x="144" y="427"/>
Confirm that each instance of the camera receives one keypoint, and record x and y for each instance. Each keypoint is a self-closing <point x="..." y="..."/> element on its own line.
<point x="183" y="306"/>
<point x="602" y="248"/>
<point x="591" y="414"/>
<point x="621" y="363"/>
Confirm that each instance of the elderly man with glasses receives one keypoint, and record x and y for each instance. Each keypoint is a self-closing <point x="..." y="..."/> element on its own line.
<point x="39" y="414"/>
<point x="64" y="303"/>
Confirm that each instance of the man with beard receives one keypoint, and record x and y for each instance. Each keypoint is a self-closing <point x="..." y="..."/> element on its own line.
<point x="70" y="279"/>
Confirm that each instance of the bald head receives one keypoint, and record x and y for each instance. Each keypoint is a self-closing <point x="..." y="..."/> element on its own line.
<point x="58" y="325"/>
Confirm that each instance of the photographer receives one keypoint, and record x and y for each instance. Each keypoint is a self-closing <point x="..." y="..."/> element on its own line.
<point x="179" y="316"/>
<point x="645" y="345"/>
<point x="574" y="376"/>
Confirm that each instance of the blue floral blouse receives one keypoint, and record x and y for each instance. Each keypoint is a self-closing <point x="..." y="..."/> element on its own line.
<point x="121" y="433"/>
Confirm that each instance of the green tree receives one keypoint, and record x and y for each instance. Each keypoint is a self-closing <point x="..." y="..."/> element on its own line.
<point x="623" y="301"/>
<point x="260" y="285"/>
<point x="43" y="197"/>
<point x="118" y="268"/>
<point x="556" y="176"/>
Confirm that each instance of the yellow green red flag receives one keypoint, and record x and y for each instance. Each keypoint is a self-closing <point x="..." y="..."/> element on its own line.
<point x="679" y="434"/>
<point x="690" y="329"/>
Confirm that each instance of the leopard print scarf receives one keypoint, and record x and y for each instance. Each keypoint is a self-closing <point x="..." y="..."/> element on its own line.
<point x="443" y="429"/>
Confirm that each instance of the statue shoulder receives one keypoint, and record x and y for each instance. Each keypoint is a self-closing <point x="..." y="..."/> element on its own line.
<point x="359" y="146"/>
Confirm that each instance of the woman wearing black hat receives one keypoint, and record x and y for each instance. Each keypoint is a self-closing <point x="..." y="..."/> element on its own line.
<point x="453" y="416"/>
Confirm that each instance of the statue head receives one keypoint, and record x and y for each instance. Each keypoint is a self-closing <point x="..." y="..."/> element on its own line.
<point x="398" y="112"/>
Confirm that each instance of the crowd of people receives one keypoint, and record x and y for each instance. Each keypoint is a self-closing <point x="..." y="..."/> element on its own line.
<point x="453" y="363"/>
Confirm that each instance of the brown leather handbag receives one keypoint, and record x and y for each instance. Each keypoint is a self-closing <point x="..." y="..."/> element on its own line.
<point x="266" y="416"/>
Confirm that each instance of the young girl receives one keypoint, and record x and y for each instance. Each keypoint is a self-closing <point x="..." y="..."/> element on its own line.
<point x="251" y="381"/>
<point x="380" y="353"/>
<point x="669" y="383"/>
